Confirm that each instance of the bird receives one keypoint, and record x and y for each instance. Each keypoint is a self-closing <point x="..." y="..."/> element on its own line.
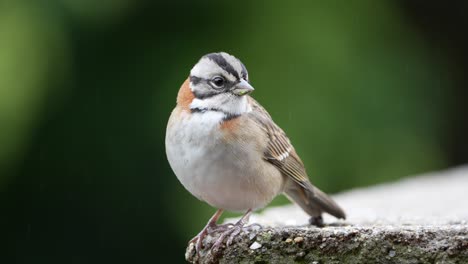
<point x="227" y="151"/>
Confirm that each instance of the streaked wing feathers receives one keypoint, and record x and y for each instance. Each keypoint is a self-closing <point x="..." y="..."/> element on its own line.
<point x="279" y="151"/>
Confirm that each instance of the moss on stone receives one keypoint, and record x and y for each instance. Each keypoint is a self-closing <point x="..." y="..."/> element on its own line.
<point x="344" y="244"/>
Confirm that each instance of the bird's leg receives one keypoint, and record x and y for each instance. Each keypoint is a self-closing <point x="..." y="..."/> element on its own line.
<point x="198" y="239"/>
<point x="232" y="232"/>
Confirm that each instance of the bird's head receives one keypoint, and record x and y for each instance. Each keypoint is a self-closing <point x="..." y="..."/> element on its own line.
<point x="220" y="81"/>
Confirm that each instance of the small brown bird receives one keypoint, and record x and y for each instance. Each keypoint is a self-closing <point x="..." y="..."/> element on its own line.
<point x="226" y="150"/>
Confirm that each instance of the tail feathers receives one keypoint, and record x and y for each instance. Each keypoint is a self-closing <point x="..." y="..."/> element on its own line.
<point x="327" y="203"/>
<point x="313" y="201"/>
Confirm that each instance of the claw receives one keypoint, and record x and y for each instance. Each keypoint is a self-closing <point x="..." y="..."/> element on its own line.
<point x="198" y="240"/>
<point x="210" y="226"/>
<point x="232" y="233"/>
<point x="229" y="231"/>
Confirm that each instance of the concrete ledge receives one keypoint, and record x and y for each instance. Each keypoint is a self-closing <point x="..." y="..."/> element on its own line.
<point x="419" y="220"/>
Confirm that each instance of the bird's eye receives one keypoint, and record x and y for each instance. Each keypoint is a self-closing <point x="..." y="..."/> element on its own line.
<point x="218" y="81"/>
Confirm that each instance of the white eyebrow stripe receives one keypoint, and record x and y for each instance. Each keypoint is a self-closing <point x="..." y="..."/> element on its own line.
<point x="229" y="76"/>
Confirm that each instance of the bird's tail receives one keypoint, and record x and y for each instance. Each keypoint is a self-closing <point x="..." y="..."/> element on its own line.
<point x="313" y="201"/>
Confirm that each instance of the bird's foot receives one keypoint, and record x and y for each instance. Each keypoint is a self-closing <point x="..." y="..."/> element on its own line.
<point x="198" y="239"/>
<point x="222" y="227"/>
<point x="227" y="231"/>
<point x="210" y="227"/>
<point x="232" y="233"/>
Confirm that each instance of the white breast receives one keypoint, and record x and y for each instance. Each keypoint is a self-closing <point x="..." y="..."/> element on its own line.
<point x="224" y="175"/>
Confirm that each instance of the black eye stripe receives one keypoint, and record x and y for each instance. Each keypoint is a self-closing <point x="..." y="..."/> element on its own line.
<point x="227" y="85"/>
<point x="205" y="94"/>
<point x="195" y="80"/>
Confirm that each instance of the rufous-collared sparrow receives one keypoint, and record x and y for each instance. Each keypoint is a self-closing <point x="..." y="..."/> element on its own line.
<point x="226" y="150"/>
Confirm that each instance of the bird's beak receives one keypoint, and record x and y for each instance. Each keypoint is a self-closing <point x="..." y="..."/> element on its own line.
<point x="242" y="88"/>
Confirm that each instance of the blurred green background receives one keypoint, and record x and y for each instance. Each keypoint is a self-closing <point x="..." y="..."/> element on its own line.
<point x="368" y="91"/>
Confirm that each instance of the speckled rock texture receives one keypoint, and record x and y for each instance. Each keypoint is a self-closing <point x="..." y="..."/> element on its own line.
<point x="423" y="219"/>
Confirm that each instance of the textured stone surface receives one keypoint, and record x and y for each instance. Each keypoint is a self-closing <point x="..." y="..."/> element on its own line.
<point x="418" y="220"/>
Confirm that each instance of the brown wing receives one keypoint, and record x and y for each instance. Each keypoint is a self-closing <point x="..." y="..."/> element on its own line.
<point x="279" y="151"/>
<point x="281" y="154"/>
